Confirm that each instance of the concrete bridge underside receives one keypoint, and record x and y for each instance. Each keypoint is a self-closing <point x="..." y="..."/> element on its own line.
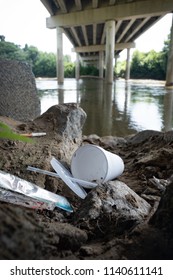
<point x="100" y="29"/>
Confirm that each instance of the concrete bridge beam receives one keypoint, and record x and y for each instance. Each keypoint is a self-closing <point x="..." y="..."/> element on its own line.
<point x="98" y="48"/>
<point x="131" y="10"/>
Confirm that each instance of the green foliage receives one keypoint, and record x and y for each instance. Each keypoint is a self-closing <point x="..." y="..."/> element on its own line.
<point x="151" y="65"/>
<point x="120" y="69"/>
<point x="31" y="54"/>
<point x="9" y="50"/>
<point x="67" y="58"/>
<point x="89" y="70"/>
<point x="45" y="65"/>
<point x="69" y="70"/>
<point x="147" y="65"/>
<point x="7" y="133"/>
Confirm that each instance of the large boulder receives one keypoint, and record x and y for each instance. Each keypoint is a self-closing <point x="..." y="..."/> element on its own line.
<point x="66" y="120"/>
<point x="111" y="208"/>
<point x="63" y="125"/>
<point x="18" y="93"/>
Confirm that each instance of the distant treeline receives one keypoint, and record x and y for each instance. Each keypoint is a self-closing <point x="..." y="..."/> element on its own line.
<point x="151" y="65"/>
<point x="43" y="63"/>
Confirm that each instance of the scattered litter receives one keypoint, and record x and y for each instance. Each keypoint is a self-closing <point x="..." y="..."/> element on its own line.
<point x="22" y="200"/>
<point x="160" y="183"/>
<point x="83" y="183"/>
<point x="16" y="184"/>
<point x="34" y="134"/>
<point x="66" y="176"/>
<point x="90" y="165"/>
<point x="94" y="164"/>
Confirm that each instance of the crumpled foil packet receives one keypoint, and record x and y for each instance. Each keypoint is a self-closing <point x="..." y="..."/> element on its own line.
<point x="18" y="185"/>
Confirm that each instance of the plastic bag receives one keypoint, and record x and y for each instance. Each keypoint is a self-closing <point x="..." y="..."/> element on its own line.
<point x="22" y="200"/>
<point x="16" y="184"/>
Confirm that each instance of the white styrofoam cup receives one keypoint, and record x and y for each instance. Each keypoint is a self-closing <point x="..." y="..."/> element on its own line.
<point x="94" y="164"/>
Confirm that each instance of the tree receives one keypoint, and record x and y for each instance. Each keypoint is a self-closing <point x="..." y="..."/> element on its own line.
<point x="2" y="38"/>
<point x="165" y="52"/>
<point x="147" y="65"/>
<point x="120" y="69"/>
<point x="9" y="50"/>
<point x="151" y="65"/>
<point x="69" y="70"/>
<point x="45" y="65"/>
<point x="89" y="70"/>
<point x="67" y="58"/>
<point x="137" y="68"/>
<point x="31" y="54"/>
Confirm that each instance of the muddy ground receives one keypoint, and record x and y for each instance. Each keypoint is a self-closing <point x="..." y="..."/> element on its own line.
<point x="34" y="234"/>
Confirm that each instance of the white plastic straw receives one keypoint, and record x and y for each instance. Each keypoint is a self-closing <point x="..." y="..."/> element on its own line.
<point x="42" y="171"/>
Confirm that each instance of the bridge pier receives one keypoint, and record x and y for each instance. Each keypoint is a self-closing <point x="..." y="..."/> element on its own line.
<point x="77" y="67"/>
<point x="101" y="64"/>
<point x="169" y="71"/>
<point x="60" y="62"/>
<point x="127" y="74"/>
<point x="110" y="46"/>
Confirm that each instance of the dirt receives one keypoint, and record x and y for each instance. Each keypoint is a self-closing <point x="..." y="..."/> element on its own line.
<point x="34" y="234"/>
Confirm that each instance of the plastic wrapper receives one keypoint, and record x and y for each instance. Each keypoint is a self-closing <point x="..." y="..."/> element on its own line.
<point x="19" y="199"/>
<point x="16" y="184"/>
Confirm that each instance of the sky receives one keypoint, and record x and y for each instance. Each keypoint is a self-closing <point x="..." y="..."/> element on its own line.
<point x="24" y="22"/>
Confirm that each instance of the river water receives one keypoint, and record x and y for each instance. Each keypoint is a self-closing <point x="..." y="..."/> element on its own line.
<point x="119" y="109"/>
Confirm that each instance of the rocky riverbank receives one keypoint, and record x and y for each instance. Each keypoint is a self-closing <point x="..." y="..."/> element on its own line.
<point x="128" y="218"/>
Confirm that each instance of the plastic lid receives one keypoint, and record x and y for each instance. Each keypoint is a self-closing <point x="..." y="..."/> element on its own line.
<point x="66" y="176"/>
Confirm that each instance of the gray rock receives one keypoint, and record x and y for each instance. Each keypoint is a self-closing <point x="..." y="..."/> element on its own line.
<point x="143" y="136"/>
<point x="111" y="142"/>
<point x="111" y="207"/>
<point x="66" y="120"/>
<point x="18" y="93"/>
<point x="63" y="122"/>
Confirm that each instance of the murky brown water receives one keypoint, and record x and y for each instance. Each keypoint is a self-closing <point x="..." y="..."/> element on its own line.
<point x="119" y="109"/>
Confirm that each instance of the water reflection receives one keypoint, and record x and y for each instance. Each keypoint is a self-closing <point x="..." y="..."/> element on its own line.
<point x="119" y="109"/>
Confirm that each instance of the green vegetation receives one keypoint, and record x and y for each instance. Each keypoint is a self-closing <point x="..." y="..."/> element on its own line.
<point x="89" y="70"/>
<point x="7" y="133"/>
<point x="151" y="65"/>
<point x="148" y="65"/>
<point x="43" y="64"/>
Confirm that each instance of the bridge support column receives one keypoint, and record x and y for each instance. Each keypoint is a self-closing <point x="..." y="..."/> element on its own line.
<point x="127" y="74"/>
<point x="116" y="59"/>
<point x="77" y="68"/>
<point x="60" y="62"/>
<point x="101" y="64"/>
<point x="110" y="46"/>
<point x="169" y="71"/>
